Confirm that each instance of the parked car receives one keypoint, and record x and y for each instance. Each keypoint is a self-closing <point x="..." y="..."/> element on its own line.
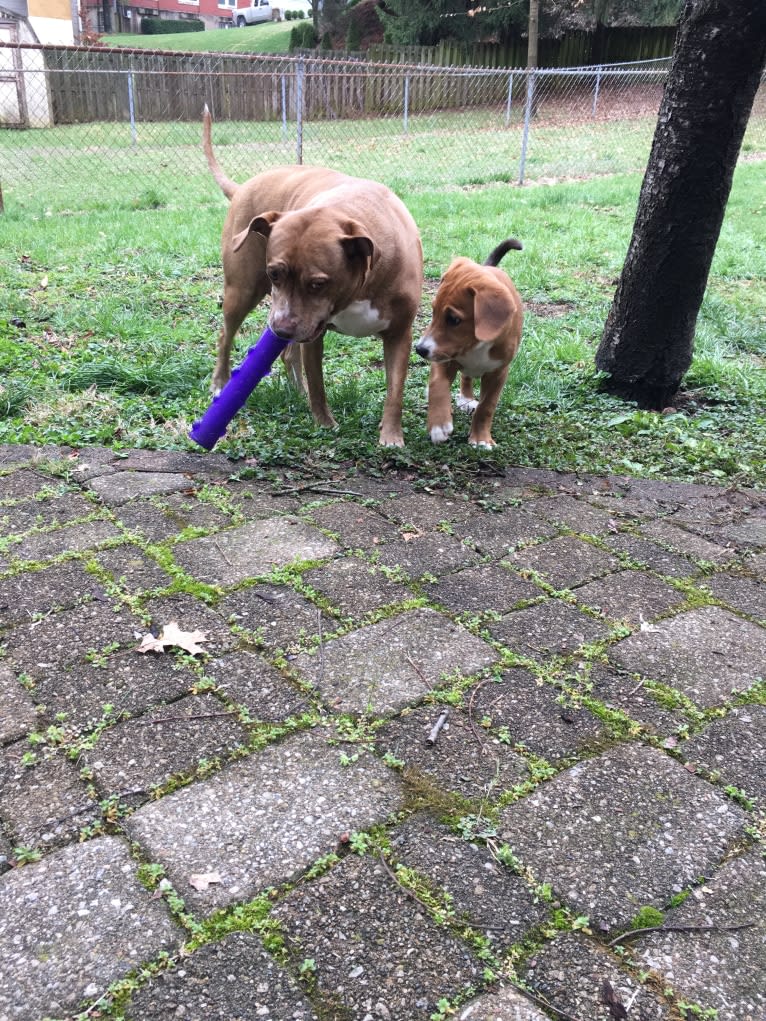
<point x="255" y="12"/>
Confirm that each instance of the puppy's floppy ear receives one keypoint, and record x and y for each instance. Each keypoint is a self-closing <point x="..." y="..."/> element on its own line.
<point x="492" y="308"/>
<point x="258" y="225"/>
<point x="358" y="246"/>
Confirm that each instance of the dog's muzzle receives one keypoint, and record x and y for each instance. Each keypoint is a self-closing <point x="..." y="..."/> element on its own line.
<point x="425" y="348"/>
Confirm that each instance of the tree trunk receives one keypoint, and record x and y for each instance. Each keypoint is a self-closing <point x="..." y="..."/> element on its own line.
<point x="717" y="64"/>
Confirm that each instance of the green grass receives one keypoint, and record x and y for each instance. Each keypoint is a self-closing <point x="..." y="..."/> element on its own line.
<point x="272" y="37"/>
<point x="110" y="319"/>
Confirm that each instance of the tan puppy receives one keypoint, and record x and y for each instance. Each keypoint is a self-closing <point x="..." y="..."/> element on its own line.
<point x="335" y="252"/>
<point x="475" y="330"/>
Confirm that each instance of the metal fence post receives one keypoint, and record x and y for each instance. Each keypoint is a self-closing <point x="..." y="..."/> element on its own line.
<point x="510" y="100"/>
<point x="531" y="78"/>
<point x="283" y="91"/>
<point x="406" y="104"/>
<point x="599" y="69"/>
<point x="299" y="78"/>
<point x="132" y="112"/>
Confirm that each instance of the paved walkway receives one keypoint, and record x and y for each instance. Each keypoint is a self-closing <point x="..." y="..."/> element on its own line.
<point x="435" y="747"/>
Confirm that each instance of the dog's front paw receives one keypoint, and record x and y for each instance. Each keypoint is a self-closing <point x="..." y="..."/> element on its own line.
<point x="441" y="433"/>
<point x="482" y="444"/>
<point x="466" y="404"/>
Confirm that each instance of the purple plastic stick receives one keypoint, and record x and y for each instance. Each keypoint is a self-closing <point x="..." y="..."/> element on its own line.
<point x="258" y="361"/>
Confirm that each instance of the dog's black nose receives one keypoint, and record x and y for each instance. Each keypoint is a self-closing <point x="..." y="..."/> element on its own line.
<point x="422" y="349"/>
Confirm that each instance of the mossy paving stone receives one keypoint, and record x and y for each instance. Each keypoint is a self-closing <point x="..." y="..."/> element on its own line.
<point x="232" y="979"/>
<point x="620" y="691"/>
<point x="375" y="950"/>
<point x="355" y="588"/>
<point x="749" y="533"/>
<point x="565" y="562"/>
<point x="24" y="483"/>
<point x="735" y="749"/>
<point x="707" y="654"/>
<point x="118" y="488"/>
<point x="58" y="510"/>
<point x="629" y="828"/>
<point x="132" y="571"/>
<point x="383" y="667"/>
<point x="536" y="715"/>
<point x="251" y="550"/>
<point x="31" y="593"/>
<point x="191" y="614"/>
<point x="276" y="615"/>
<point x="573" y="514"/>
<point x="649" y="554"/>
<point x="463" y="759"/>
<point x="691" y="545"/>
<point x="44" y="805"/>
<point x="357" y="527"/>
<point x="484" y="893"/>
<point x="488" y="587"/>
<point x="549" y="628"/>
<point x="496" y="534"/>
<point x="748" y="595"/>
<point x="246" y="679"/>
<point x="17" y="710"/>
<point x="630" y="596"/>
<point x="69" y="539"/>
<point x="157" y="523"/>
<point x="504" y="1005"/>
<point x="72" y="924"/>
<point x="431" y="553"/>
<point x="424" y="511"/>
<point x="570" y="972"/>
<point x="174" y="461"/>
<point x="720" y="970"/>
<point x="135" y="755"/>
<point x="75" y="669"/>
<point x="260" y="821"/>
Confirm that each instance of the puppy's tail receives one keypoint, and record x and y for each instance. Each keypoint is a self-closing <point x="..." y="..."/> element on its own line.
<point x="227" y="186"/>
<point x="494" y="257"/>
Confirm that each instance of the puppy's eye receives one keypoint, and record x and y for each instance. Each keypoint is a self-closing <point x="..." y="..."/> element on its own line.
<point x="316" y="285"/>
<point x="452" y="319"/>
<point x="273" y="275"/>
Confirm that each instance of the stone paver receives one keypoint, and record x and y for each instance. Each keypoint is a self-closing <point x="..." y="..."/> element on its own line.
<point x="342" y="922"/>
<point x="734" y="749"/>
<point x="234" y="978"/>
<point x="721" y="969"/>
<point x="291" y="781"/>
<point x="72" y="924"/>
<point x="570" y="972"/>
<point x="382" y="667"/>
<point x="260" y="821"/>
<point x="629" y="828"/>
<point x="252" y="550"/>
<point x="707" y="654"/>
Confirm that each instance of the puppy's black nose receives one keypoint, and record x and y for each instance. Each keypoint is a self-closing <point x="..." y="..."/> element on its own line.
<point x="422" y="349"/>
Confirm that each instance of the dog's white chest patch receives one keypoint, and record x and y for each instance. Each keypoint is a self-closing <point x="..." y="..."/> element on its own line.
<point x="360" y="319"/>
<point x="476" y="362"/>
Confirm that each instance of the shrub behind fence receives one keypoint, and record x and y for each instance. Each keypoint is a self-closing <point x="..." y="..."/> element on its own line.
<point x="129" y="121"/>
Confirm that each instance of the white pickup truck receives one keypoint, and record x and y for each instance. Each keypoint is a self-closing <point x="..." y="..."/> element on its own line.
<point x="255" y="12"/>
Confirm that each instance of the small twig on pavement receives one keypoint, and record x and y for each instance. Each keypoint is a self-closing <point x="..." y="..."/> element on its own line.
<point x="433" y="736"/>
<point x="325" y="490"/>
<point x="474" y="729"/>
<point x="223" y="554"/>
<point x="417" y="670"/>
<point x="402" y="887"/>
<point x="321" y="647"/>
<point x="633" y="933"/>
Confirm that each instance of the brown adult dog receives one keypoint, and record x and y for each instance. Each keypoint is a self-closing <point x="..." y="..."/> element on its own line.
<point x="475" y="330"/>
<point x="335" y="252"/>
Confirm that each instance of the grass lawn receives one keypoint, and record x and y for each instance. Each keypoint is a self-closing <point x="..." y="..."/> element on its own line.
<point x="111" y="315"/>
<point x="272" y="37"/>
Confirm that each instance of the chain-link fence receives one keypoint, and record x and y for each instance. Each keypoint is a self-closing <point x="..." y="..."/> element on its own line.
<point x="87" y="126"/>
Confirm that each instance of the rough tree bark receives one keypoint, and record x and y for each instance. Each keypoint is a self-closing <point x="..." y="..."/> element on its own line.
<point x="717" y="64"/>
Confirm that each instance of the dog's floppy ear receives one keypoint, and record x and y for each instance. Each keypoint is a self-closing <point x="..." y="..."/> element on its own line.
<point x="258" y="225"/>
<point x="357" y="246"/>
<point x="492" y="308"/>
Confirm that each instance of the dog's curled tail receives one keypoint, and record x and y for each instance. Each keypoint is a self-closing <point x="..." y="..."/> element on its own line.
<point x="227" y="186"/>
<point x="494" y="257"/>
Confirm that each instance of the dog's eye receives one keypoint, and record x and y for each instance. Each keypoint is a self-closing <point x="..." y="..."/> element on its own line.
<point x="452" y="319"/>
<point x="273" y="275"/>
<point x="316" y="285"/>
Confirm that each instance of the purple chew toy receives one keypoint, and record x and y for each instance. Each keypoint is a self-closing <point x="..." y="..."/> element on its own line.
<point x="258" y="360"/>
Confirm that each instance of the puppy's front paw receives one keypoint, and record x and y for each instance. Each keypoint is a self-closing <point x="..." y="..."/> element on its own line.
<point x="482" y="444"/>
<point x="441" y="433"/>
<point x="465" y="404"/>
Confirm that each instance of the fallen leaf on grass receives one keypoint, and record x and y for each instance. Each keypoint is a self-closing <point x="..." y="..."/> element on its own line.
<point x="171" y="634"/>
<point x="202" y="880"/>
